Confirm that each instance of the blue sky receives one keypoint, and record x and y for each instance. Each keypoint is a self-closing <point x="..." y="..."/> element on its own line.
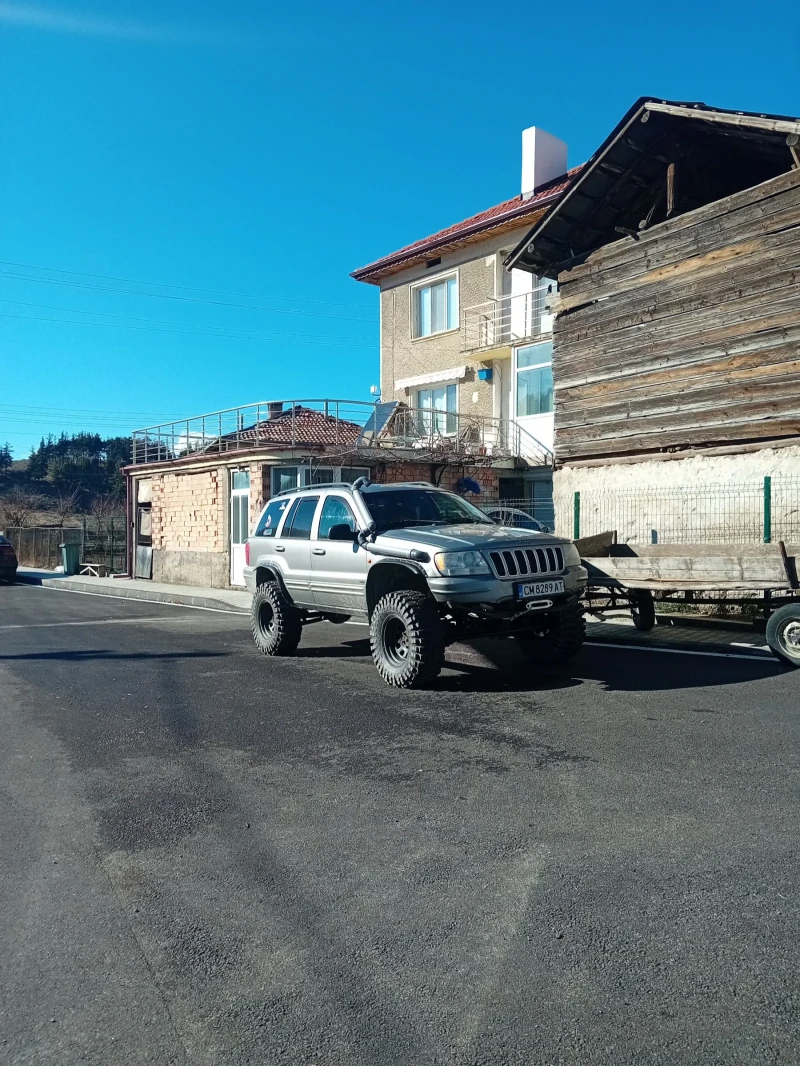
<point x="259" y="152"/>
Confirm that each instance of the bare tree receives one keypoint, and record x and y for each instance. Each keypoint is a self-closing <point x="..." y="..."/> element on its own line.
<point x="105" y="507"/>
<point x="18" y="507"/>
<point x="65" y="505"/>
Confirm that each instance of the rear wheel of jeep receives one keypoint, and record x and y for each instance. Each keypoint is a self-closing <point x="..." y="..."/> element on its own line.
<point x="277" y="627"/>
<point x="406" y="639"/>
<point x="556" y="639"/>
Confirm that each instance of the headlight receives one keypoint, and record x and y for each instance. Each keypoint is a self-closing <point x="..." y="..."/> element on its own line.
<point x="460" y="564"/>
<point x="572" y="557"/>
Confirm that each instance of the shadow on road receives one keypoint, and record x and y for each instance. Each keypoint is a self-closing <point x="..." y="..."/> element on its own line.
<point x="103" y="653"/>
<point x="497" y="666"/>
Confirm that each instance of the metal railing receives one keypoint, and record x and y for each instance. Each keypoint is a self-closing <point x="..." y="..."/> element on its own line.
<point x="284" y="423"/>
<point x="517" y="511"/>
<point x="352" y="429"/>
<point x="508" y="319"/>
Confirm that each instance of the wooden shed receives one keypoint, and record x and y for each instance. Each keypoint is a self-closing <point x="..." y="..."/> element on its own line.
<point x="677" y="251"/>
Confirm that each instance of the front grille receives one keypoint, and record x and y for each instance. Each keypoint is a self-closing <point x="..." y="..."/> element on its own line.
<point x="527" y="562"/>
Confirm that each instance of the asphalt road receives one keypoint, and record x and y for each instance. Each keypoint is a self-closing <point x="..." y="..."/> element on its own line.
<point x="213" y="858"/>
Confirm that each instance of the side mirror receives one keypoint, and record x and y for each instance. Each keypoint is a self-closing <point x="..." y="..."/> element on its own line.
<point x="342" y="532"/>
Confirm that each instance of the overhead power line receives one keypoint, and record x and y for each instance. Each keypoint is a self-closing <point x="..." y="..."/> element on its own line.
<point x="181" y="299"/>
<point x="173" y="285"/>
<point x="192" y="332"/>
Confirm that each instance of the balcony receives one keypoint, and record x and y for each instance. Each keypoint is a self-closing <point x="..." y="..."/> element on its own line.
<point x="504" y="320"/>
<point x="354" y="431"/>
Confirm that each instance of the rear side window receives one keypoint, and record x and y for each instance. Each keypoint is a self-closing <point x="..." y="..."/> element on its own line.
<point x="301" y="518"/>
<point x="271" y="518"/>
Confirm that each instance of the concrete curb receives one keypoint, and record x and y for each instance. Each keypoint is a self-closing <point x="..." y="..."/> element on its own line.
<point x="65" y="584"/>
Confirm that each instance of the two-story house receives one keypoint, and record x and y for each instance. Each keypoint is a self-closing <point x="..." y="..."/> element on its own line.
<point x="464" y="338"/>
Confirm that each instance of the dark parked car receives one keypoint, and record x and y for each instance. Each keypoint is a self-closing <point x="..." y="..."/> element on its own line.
<point x="8" y="560"/>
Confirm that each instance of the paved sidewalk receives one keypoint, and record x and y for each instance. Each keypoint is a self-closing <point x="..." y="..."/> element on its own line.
<point x="237" y="602"/>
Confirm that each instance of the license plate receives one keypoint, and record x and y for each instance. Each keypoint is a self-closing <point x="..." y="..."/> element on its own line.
<point x="539" y="588"/>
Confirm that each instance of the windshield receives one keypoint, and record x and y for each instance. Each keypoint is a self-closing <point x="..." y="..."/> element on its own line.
<point x="400" y="508"/>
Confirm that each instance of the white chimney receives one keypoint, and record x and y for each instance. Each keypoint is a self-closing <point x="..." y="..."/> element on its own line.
<point x="544" y="157"/>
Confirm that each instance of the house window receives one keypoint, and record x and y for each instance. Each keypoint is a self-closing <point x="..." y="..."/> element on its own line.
<point x="435" y="307"/>
<point x="534" y="380"/>
<point x="298" y="477"/>
<point x="442" y="403"/>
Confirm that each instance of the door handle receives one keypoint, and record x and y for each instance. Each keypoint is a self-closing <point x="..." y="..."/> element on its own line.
<point x="317" y="551"/>
<point x="279" y="548"/>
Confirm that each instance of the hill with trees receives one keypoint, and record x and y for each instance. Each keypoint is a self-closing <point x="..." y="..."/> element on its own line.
<point x="65" y="476"/>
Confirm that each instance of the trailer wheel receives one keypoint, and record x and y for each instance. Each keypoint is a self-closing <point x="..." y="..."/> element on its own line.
<point x="783" y="633"/>
<point x="643" y="610"/>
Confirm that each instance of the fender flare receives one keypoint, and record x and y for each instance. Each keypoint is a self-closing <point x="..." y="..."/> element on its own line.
<point x="382" y="563"/>
<point x="274" y="571"/>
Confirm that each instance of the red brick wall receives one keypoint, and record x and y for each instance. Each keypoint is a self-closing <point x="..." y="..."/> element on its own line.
<point x="392" y="473"/>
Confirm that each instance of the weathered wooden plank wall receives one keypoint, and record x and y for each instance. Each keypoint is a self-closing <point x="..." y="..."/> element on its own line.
<point x="689" y="336"/>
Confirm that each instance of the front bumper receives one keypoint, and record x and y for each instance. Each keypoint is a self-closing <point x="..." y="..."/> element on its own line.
<point x="493" y="595"/>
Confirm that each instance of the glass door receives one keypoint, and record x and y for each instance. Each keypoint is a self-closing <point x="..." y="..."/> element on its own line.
<point x="240" y="522"/>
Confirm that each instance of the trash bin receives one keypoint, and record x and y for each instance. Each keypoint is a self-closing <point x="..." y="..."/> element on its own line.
<point x="70" y="557"/>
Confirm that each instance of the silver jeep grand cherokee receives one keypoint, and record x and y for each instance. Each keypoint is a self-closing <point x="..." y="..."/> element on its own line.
<point x="423" y="566"/>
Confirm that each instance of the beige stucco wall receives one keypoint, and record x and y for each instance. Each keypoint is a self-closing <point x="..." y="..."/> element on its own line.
<point x="405" y="357"/>
<point x="702" y="498"/>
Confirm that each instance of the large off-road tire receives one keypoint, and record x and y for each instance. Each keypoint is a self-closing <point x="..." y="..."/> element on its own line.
<point x="276" y="622"/>
<point x="561" y="635"/>
<point x="643" y="610"/>
<point x="783" y="633"/>
<point x="406" y="639"/>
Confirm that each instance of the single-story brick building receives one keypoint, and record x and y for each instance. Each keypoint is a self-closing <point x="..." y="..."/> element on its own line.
<point x="196" y="487"/>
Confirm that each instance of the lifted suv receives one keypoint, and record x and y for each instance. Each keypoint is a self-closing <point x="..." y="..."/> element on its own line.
<point x="423" y="566"/>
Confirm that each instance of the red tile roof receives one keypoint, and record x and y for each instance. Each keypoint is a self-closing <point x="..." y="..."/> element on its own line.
<point x="515" y="210"/>
<point x="301" y="426"/>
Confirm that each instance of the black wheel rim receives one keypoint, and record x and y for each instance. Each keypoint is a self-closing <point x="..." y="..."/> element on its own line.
<point x="395" y="642"/>
<point x="266" y="619"/>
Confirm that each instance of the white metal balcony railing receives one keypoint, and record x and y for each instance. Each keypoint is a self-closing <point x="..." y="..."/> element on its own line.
<point x="351" y="429"/>
<point x="508" y="319"/>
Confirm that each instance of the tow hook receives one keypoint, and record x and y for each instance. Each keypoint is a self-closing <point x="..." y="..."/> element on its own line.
<point x="538" y="605"/>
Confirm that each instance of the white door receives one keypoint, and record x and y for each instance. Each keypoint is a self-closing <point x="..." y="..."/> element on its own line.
<point x="240" y="522"/>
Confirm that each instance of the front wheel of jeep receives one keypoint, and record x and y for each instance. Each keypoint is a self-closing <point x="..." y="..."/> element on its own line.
<point x="406" y="639"/>
<point x="556" y="638"/>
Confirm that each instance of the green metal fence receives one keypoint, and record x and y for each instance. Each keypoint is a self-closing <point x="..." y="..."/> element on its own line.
<point x="751" y="512"/>
<point x="104" y="543"/>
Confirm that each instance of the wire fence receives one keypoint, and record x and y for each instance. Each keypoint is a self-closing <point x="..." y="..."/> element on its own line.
<point x="100" y="543"/>
<point x="517" y="512"/>
<point x="752" y="512"/>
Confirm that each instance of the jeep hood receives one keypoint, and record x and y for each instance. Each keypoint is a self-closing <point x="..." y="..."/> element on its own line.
<point x="465" y="537"/>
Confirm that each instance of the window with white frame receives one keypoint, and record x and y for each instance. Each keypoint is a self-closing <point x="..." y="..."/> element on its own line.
<point x="437" y="408"/>
<point x="434" y="306"/>
<point x="298" y="477"/>
<point x="534" y="380"/>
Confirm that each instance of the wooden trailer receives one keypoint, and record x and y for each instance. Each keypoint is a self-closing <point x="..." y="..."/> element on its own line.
<point x="639" y="576"/>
